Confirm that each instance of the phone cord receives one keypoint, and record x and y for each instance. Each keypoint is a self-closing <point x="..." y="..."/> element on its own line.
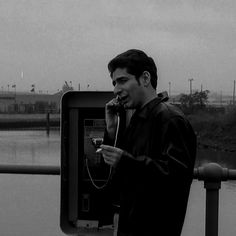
<point x="110" y="171"/>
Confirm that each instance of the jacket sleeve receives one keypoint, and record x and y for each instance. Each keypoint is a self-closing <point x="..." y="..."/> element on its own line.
<point x="176" y="156"/>
<point x="107" y="140"/>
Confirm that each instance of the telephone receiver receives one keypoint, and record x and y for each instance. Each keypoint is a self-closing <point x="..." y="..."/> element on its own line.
<point x="119" y="106"/>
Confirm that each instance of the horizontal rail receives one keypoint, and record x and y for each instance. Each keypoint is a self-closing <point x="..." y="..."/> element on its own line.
<point x="232" y="174"/>
<point x="30" y="169"/>
<point x="213" y="172"/>
<point x="210" y="172"/>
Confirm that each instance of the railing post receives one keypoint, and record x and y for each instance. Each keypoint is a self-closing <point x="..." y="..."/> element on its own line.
<point x="212" y="207"/>
<point x="48" y="122"/>
<point x="212" y="174"/>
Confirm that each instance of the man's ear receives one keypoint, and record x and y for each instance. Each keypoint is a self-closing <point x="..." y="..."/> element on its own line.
<point x="146" y="77"/>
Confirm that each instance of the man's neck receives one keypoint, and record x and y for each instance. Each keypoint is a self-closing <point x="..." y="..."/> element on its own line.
<point x="149" y="97"/>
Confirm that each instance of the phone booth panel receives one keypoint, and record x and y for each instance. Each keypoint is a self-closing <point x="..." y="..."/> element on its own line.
<point x="86" y="207"/>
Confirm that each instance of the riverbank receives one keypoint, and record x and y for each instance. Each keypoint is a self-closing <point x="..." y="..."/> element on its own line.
<point x="216" y="132"/>
<point x="29" y="121"/>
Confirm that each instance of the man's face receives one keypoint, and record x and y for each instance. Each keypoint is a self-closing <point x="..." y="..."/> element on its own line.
<point x="130" y="92"/>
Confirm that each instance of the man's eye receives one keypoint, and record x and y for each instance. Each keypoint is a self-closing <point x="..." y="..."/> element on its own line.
<point x="119" y="81"/>
<point x="122" y="81"/>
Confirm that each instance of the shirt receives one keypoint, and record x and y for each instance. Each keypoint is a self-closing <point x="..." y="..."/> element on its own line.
<point x="154" y="175"/>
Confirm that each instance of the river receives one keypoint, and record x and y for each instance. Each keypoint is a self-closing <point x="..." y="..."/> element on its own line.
<point x="30" y="205"/>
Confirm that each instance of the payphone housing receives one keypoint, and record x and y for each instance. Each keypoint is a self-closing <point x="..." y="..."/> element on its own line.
<point x="85" y="201"/>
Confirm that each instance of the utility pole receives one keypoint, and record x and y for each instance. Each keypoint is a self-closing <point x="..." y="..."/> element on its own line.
<point x="190" y="84"/>
<point x="234" y="94"/>
<point x="169" y="89"/>
<point x="221" y="98"/>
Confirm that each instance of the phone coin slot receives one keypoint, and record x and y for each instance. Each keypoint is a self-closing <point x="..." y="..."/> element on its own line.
<point x="86" y="202"/>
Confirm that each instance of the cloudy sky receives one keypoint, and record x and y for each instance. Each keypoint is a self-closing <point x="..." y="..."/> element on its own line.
<point x="48" y="42"/>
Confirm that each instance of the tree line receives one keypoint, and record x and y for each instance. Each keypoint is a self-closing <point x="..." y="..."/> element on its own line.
<point x="195" y="101"/>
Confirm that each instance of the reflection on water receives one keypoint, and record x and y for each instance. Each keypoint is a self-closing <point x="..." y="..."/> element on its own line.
<point x="36" y="147"/>
<point x="30" y="205"/>
<point x="29" y="147"/>
<point x="225" y="159"/>
<point x="227" y="209"/>
<point x="195" y="217"/>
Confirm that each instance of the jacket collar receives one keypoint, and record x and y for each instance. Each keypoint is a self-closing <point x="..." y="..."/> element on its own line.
<point x="147" y="108"/>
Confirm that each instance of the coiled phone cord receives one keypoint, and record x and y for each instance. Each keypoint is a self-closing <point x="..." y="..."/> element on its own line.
<point x="110" y="171"/>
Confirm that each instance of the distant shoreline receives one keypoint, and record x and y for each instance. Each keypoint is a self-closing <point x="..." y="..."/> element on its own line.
<point x="28" y="121"/>
<point x="214" y="138"/>
<point x="215" y="131"/>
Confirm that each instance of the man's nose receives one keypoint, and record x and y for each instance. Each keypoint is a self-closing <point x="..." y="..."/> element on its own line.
<point x="117" y="90"/>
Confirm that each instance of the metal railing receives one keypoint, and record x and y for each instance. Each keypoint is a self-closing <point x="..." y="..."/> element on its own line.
<point x="30" y="169"/>
<point x="212" y="174"/>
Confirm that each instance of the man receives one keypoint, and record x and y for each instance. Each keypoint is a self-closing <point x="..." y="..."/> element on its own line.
<point x="154" y="157"/>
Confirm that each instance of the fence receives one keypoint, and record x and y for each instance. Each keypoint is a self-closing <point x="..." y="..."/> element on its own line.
<point x="212" y="174"/>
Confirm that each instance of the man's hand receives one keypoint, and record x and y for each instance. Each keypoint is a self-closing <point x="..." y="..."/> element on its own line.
<point x="111" y="155"/>
<point x="111" y="117"/>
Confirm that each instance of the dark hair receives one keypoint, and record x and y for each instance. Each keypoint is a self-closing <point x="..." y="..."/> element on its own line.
<point x="136" y="62"/>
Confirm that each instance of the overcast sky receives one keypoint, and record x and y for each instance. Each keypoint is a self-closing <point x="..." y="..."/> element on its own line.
<point x="47" y="42"/>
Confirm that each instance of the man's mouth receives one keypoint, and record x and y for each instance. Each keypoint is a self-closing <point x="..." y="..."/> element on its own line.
<point x="123" y="99"/>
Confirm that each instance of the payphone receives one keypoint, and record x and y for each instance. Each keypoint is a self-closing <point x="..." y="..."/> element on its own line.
<point x="85" y="193"/>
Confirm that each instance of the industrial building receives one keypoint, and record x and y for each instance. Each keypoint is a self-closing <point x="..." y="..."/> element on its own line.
<point x="29" y="102"/>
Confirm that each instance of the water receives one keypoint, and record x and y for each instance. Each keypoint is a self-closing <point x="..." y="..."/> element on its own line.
<point x="30" y="205"/>
<point x="30" y="147"/>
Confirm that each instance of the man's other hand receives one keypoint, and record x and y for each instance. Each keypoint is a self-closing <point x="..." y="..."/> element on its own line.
<point x="111" y="155"/>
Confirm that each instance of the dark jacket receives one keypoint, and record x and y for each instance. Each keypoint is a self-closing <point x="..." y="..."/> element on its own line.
<point x="154" y="175"/>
